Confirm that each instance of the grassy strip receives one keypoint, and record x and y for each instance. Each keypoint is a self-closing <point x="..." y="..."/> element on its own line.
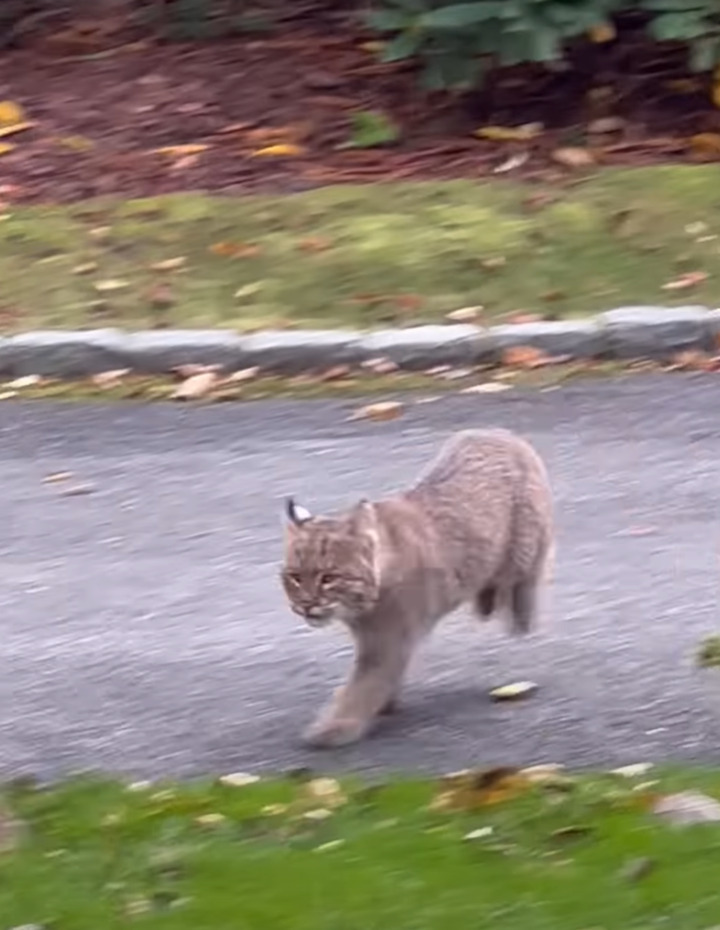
<point x="362" y="256"/>
<point x="318" y="855"/>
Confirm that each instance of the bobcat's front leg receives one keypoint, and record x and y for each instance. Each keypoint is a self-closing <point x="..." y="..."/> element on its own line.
<point x="380" y="661"/>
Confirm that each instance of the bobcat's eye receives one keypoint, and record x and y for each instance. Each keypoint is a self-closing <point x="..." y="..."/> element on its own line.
<point x="326" y="579"/>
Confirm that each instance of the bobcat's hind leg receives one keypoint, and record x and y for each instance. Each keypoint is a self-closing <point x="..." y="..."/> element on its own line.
<point x="523" y="606"/>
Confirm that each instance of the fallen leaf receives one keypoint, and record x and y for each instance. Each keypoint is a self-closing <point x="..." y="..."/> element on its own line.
<point x="76" y="143"/>
<point x="319" y="813"/>
<point x="235" y="249"/>
<point x="239" y="779"/>
<point x="524" y="357"/>
<point x="709" y="652"/>
<point x="573" y="157"/>
<point x="686" y="808"/>
<point x="11" y="114"/>
<point x="187" y="161"/>
<point x="602" y="32"/>
<point x="692" y="360"/>
<point x="57" y="476"/>
<point x="510" y="133"/>
<point x="492" y="264"/>
<point x="331" y="844"/>
<point x="687" y="280"/>
<point x="512" y="162"/>
<point x="636" y="770"/>
<point x="248" y="290"/>
<point x="6" y="147"/>
<point x="383" y="410"/>
<point x="87" y="268"/>
<point x="314" y="244"/>
<point x="7" y="395"/>
<point x="705" y="146"/>
<point x="380" y="366"/>
<point x="550" y="776"/>
<point x="280" y="150"/>
<point x="481" y="833"/>
<point x="336" y="373"/>
<point x="326" y="790"/>
<point x="487" y="387"/>
<point x="606" y="124"/>
<point x="196" y="386"/>
<point x="23" y="382"/>
<point x="210" y="820"/>
<point x="178" y="151"/>
<point x="109" y="379"/>
<point x="514" y="692"/>
<point x="170" y="264"/>
<point x="274" y="810"/>
<point x="100" y="233"/>
<point x="15" y="127"/>
<point x="243" y="374"/>
<point x="466" y="791"/>
<point x="106" y="287"/>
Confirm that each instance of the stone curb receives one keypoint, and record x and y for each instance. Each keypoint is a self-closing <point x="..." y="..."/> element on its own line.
<point x="632" y="332"/>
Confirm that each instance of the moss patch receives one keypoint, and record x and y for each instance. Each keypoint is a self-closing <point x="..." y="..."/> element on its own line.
<point x="363" y="255"/>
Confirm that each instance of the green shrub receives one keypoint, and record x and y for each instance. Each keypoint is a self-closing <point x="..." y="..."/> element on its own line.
<point x="459" y="42"/>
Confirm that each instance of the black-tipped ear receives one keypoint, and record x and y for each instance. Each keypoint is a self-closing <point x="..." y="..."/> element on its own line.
<point x="296" y="513"/>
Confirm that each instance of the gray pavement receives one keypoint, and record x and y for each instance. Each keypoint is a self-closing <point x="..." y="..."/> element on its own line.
<point x="143" y="629"/>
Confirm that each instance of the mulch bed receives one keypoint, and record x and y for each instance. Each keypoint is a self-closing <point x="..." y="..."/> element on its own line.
<point x="98" y="120"/>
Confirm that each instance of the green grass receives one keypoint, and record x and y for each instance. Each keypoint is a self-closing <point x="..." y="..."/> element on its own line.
<point x="365" y="255"/>
<point x="213" y="857"/>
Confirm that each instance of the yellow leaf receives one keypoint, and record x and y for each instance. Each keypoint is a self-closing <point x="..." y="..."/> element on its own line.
<point x="196" y="386"/>
<point x="510" y="133"/>
<point x="715" y="92"/>
<point x="177" y="151"/>
<point x="466" y="791"/>
<point x="15" y="127"/>
<point x="706" y="146"/>
<point x="281" y="150"/>
<point x="170" y="264"/>
<point x="514" y="691"/>
<point x="77" y="143"/>
<point x="11" y="113"/>
<point x="6" y="147"/>
<point x="602" y="32"/>
<point x="384" y="410"/>
<point x="326" y="791"/>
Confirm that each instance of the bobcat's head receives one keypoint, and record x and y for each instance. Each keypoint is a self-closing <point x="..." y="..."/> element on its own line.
<point x="330" y="569"/>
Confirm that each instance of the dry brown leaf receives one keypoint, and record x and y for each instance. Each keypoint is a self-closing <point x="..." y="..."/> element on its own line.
<point x="510" y="133"/>
<point x="686" y="281"/>
<point x="336" y="373"/>
<point x="512" y="162"/>
<point x="692" y="360"/>
<point x="235" y="249"/>
<point x="573" y="157"/>
<point x="314" y="244"/>
<point x="187" y="161"/>
<point x="383" y="410"/>
<point x="280" y="150"/>
<point x="705" y="146"/>
<point x="170" y="264"/>
<point x="487" y="387"/>
<point x="196" y="386"/>
<point x="524" y="357"/>
<point x="467" y="791"/>
<point x="243" y="374"/>
<point x="380" y="366"/>
<point x="110" y="379"/>
<point x="87" y="268"/>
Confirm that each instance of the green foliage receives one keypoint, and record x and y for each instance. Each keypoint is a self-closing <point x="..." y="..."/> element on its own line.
<point x="458" y="42"/>
<point x="371" y="128"/>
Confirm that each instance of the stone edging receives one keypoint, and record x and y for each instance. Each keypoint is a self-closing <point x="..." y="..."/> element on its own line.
<point x="624" y="333"/>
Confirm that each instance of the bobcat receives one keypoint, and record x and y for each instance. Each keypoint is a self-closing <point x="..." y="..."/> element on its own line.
<point x="476" y="526"/>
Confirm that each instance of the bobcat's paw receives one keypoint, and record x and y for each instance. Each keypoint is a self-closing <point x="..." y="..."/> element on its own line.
<point x="336" y="731"/>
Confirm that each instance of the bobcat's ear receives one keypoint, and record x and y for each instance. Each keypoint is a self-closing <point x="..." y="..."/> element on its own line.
<point x="296" y="514"/>
<point x="364" y="518"/>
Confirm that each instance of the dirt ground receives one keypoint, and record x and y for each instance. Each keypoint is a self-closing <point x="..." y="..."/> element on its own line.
<point x="98" y="119"/>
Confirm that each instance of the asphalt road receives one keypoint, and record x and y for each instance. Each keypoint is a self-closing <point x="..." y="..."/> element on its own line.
<point x="143" y="629"/>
